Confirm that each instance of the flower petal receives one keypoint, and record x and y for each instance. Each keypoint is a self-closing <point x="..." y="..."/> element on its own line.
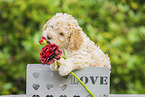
<point x="49" y="53"/>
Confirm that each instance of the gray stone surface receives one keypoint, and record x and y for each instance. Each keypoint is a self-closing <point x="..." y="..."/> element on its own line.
<point x="127" y="95"/>
<point x="23" y="95"/>
<point x="111" y="95"/>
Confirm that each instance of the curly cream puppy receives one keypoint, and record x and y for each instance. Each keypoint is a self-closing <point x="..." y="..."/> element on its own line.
<point x="64" y="31"/>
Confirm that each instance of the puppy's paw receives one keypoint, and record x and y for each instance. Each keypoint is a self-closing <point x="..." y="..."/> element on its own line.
<point x="54" y="66"/>
<point x="64" y="70"/>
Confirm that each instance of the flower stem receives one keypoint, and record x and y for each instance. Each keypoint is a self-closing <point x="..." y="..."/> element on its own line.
<point x="71" y="73"/>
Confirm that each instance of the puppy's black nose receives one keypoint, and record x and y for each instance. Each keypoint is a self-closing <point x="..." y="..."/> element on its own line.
<point x="49" y="37"/>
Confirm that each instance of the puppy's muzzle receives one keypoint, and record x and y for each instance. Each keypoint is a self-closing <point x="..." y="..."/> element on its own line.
<point x="49" y="37"/>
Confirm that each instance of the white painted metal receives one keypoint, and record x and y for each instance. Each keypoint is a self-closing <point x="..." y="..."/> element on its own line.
<point x="43" y="82"/>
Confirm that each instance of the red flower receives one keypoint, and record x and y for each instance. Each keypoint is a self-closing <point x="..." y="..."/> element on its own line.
<point x="41" y="40"/>
<point x="49" y="53"/>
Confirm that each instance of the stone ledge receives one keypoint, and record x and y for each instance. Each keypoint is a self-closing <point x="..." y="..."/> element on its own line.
<point x="127" y="95"/>
<point x="111" y="95"/>
<point x="23" y="95"/>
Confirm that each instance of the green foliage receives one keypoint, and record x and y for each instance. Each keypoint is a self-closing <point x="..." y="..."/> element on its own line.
<point x="117" y="27"/>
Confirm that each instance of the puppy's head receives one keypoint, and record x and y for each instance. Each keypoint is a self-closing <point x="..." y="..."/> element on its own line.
<point x="64" y="31"/>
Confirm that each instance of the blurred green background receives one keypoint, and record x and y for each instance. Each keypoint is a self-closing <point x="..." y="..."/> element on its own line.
<point x="118" y="27"/>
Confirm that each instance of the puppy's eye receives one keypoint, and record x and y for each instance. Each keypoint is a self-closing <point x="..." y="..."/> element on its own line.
<point x="61" y="33"/>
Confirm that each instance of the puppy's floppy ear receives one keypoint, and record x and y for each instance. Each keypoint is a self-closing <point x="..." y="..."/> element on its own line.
<point x="76" y="40"/>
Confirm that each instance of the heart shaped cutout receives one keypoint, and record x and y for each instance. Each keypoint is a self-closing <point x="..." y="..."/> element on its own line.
<point x="49" y="96"/>
<point x="76" y="96"/>
<point x="88" y="96"/>
<point x="63" y="86"/>
<point x="36" y="86"/>
<point x="35" y="96"/>
<point x="49" y="86"/>
<point x="36" y="75"/>
<point x="63" y="96"/>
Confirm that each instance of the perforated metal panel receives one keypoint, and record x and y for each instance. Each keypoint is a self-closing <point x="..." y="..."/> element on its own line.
<point x="43" y="82"/>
